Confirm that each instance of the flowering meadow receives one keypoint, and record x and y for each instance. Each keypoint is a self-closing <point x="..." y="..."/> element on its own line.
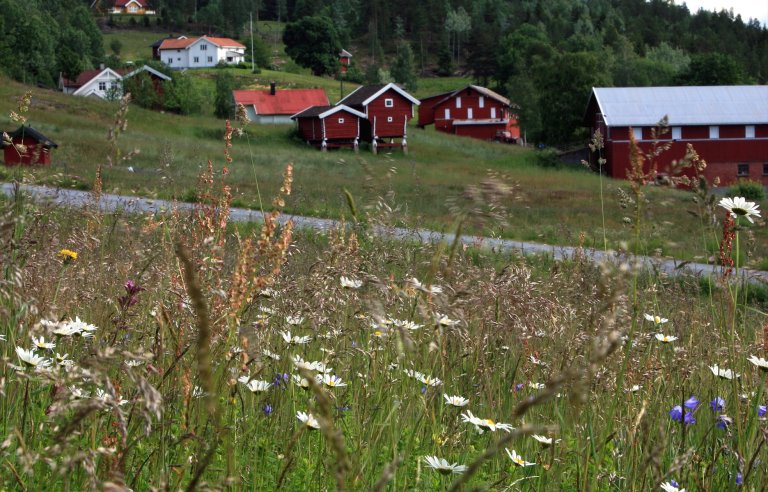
<point x="181" y="352"/>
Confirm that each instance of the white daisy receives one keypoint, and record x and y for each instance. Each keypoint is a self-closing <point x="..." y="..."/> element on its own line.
<point x="29" y="358"/>
<point x="299" y="381"/>
<point x="723" y="373"/>
<point x="408" y="325"/>
<point x="78" y="392"/>
<point x="517" y="459"/>
<point x="655" y="319"/>
<point x="42" y="344"/>
<point x="81" y="326"/>
<point x="332" y="381"/>
<point x="133" y="363"/>
<point x="456" y="401"/>
<point x="546" y="441"/>
<point x="258" y="386"/>
<point x="444" y="320"/>
<point x="670" y="487"/>
<point x="295" y="340"/>
<point x="759" y="362"/>
<point x="443" y="467"/>
<point x="739" y="207"/>
<point x="270" y="355"/>
<point x="63" y="361"/>
<point x="308" y="419"/>
<point x="428" y="380"/>
<point x="665" y="338"/>
<point x="350" y="283"/>
<point x="432" y="289"/>
<point x="244" y="379"/>
<point x="536" y="386"/>
<point x="482" y="424"/>
<point x="311" y="366"/>
<point x="634" y="389"/>
<point x="294" y="320"/>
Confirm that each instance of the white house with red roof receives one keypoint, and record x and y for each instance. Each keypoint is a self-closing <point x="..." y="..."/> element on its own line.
<point x="202" y="52"/>
<point x="105" y="82"/>
<point x="277" y="106"/>
<point x="134" y="7"/>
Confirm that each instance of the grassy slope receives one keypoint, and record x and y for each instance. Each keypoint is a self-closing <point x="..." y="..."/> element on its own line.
<point x="554" y="206"/>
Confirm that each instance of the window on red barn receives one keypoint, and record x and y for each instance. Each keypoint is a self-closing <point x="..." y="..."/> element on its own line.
<point x="765" y="168"/>
<point x="341" y="121"/>
<point x="749" y="131"/>
<point x="742" y="169"/>
<point x="389" y="103"/>
<point x="714" y="132"/>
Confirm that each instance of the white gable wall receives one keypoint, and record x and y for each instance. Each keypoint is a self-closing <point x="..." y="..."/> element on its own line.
<point x="101" y="85"/>
<point x="201" y="54"/>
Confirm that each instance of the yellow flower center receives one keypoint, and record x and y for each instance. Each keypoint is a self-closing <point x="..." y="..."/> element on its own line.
<point x="657" y="320"/>
<point x="489" y="422"/>
<point x="377" y="333"/>
<point x="519" y="461"/>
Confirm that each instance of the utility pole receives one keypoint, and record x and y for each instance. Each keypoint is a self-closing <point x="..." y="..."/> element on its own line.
<point x="253" y="58"/>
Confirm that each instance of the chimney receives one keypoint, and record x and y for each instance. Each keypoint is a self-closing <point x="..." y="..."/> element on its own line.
<point x="101" y="66"/>
<point x="271" y="88"/>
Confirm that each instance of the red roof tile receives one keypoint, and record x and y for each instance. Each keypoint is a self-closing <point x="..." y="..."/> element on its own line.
<point x="285" y="102"/>
<point x="88" y="75"/>
<point x="177" y="44"/>
<point x="123" y="3"/>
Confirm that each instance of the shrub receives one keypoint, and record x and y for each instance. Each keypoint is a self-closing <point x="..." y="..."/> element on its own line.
<point x="751" y="190"/>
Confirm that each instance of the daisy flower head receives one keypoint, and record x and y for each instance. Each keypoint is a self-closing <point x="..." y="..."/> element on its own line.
<point x="739" y="207"/>
<point x="428" y="380"/>
<point x="481" y="424"/>
<point x="258" y="386"/>
<point x="294" y="320"/>
<point x="455" y="401"/>
<point x="442" y="466"/>
<point x="42" y="344"/>
<point x="655" y="319"/>
<point x="294" y="340"/>
<point x="350" y="283"/>
<point x="545" y="441"/>
<point x="759" y="362"/>
<point x="30" y="359"/>
<point x="301" y="382"/>
<point x="444" y="320"/>
<point x="308" y="420"/>
<point x="332" y="381"/>
<point x="665" y="338"/>
<point x="517" y="459"/>
<point x="270" y="355"/>
<point x="80" y="327"/>
<point x="723" y="373"/>
<point x="671" y="486"/>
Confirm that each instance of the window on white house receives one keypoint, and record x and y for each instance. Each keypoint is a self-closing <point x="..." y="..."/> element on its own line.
<point x="203" y="47"/>
<point x="742" y="169"/>
<point x="493" y="113"/>
<point x="469" y="113"/>
<point x="447" y="114"/>
<point x="749" y="131"/>
<point x="341" y="121"/>
<point x="389" y="103"/>
<point x="390" y="119"/>
<point x="714" y="132"/>
<point x="458" y="102"/>
<point x="638" y="133"/>
<point x="196" y="59"/>
<point x="210" y="59"/>
<point x="677" y="133"/>
<point x="482" y="101"/>
<point x="170" y="61"/>
<point x="102" y="86"/>
<point x="179" y="59"/>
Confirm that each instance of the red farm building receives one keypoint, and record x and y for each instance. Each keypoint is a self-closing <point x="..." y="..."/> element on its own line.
<point x="473" y="111"/>
<point x="278" y="106"/>
<point x="387" y="109"/>
<point x="28" y="146"/>
<point x="726" y="125"/>
<point x="330" y="126"/>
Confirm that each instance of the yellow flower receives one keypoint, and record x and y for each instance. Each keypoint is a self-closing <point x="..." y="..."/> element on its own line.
<point x="67" y="255"/>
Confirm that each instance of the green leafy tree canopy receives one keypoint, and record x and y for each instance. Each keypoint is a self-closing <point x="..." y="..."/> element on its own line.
<point x="313" y="43"/>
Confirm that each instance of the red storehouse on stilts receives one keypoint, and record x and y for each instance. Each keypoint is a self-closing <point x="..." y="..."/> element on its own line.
<point x="330" y="126"/>
<point x="28" y="146"/>
<point x="387" y="109"/>
<point x="726" y="125"/>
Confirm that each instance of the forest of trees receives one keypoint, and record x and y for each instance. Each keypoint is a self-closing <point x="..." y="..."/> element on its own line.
<point x="544" y="55"/>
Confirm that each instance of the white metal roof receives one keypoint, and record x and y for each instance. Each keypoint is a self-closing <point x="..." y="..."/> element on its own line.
<point x="700" y="105"/>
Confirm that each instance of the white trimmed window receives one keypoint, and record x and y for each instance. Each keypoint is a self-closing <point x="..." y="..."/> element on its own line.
<point x="196" y="59"/>
<point x="390" y="119"/>
<point x="677" y="133"/>
<point x="493" y="113"/>
<point x="170" y="61"/>
<point x="389" y="103"/>
<point x="742" y="169"/>
<point x="102" y="86"/>
<point x="341" y="121"/>
<point x="210" y="59"/>
<point x="714" y="132"/>
<point x="447" y="114"/>
<point x="203" y="47"/>
<point x="637" y="133"/>
<point x="749" y="131"/>
<point x="469" y="113"/>
<point x="482" y="101"/>
<point x="458" y="102"/>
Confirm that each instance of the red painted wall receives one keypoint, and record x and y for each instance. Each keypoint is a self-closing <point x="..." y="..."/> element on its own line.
<point x="459" y="110"/>
<point x="343" y="131"/>
<point x="36" y="154"/>
<point x="482" y="132"/>
<point x="400" y="113"/>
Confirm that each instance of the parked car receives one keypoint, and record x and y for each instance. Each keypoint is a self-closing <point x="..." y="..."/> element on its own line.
<point x="504" y="137"/>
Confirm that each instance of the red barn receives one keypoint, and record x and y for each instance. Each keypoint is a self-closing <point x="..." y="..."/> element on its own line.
<point x="28" y="146"/>
<point x="473" y="111"/>
<point x="330" y="126"/>
<point x="727" y="125"/>
<point x="387" y="109"/>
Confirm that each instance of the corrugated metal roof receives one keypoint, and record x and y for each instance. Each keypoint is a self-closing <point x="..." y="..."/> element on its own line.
<point x="700" y="105"/>
<point x="285" y="102"/>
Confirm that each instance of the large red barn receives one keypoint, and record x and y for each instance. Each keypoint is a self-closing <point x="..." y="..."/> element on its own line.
<point x="726" y="125"/>
<point x="330" y="126"/>
<point x="388" y="109"/>
<point x="28" y="146"/>
<point x="473" y="111"/>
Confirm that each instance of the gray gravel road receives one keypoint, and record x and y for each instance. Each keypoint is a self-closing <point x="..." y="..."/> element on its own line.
<point x="128" y="204"/>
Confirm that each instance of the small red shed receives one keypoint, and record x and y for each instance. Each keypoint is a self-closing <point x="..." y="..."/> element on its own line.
<point x="473" y="111"/>
<point x="388" y="109"/>
<point x="330" y="126"/>
<point x="28" y="146"/>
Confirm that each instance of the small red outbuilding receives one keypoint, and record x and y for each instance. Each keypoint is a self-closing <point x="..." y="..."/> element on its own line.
<point x="330" y="126"/>
<point x="28" y="146"/>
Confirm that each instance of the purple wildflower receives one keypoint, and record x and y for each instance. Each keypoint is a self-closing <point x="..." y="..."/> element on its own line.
<point x="718" y="404"/>
<point x="689" y="418"/>
<point x="518" y="386"/>
<point x="423" y="389"/>
<point x="739" y="478"/>
<point x="267" y="409"/>
<point x="723" y="421"/>
<point x="131" y="296"/>
<point x="676" y="413"/>
<point x="761" y="410"/>
<point x="691" y="403"/>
